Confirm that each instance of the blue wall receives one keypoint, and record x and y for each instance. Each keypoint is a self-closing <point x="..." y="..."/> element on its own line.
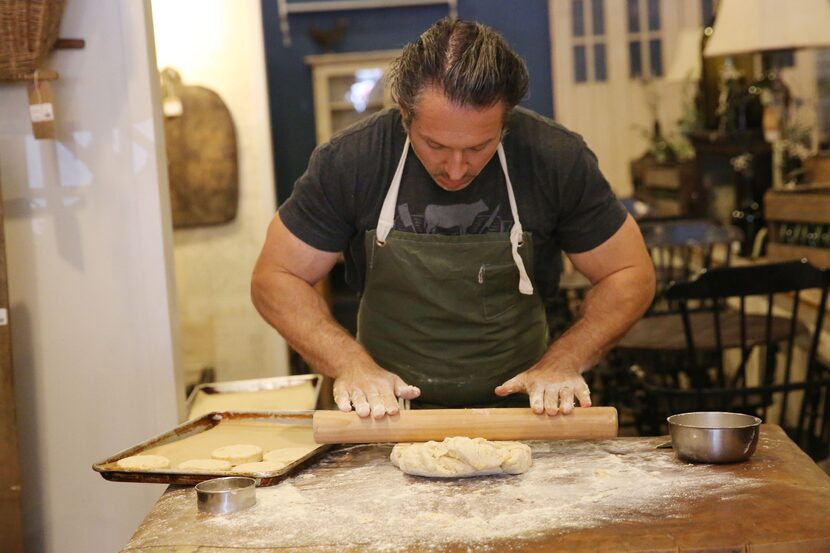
<point x="524" y="23"/>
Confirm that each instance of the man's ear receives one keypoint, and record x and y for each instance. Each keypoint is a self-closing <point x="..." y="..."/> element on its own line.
<point x="405" y="115"/>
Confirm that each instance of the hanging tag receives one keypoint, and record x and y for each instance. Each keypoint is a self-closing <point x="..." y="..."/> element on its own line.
<point x="172" y="107"/>
<point x="41" y="112"/>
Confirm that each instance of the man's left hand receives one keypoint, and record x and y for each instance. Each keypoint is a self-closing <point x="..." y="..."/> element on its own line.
<point x="551" y="390"/>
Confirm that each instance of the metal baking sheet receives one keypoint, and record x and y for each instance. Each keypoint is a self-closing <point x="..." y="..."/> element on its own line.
<point x="111" y="471"/>
<point x="252" y="386"/>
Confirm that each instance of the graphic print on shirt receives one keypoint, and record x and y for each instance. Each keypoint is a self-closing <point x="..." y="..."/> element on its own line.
<point x="453" y="219"/>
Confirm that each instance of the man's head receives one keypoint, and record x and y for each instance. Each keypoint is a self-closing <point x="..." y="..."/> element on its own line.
<point x="455" y="86"/>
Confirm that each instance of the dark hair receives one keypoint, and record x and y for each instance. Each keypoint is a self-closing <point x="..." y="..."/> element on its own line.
<point x="469" y="62"/>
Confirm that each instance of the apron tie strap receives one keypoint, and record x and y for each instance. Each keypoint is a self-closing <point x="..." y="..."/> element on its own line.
<point x="525" y="286"/>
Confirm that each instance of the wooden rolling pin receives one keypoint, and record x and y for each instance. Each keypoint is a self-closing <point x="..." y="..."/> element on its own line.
<point x="336" y="427"/>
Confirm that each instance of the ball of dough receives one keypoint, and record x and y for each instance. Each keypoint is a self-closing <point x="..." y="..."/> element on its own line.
<point x="205" y="464"/>
<point x="238" y="454"/>
<point x="287" y="454"/>
<point x="144" y="462"/>
<point x="460" y="456"/>
<point x="255" y="468"/>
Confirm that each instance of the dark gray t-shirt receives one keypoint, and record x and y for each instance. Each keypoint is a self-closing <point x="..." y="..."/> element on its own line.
<point x="561" y="196"/>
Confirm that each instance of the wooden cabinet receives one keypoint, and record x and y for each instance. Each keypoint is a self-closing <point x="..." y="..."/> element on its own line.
<point x="733" y="170"/>
<point x="798" y="222"/>
<point x="671" y="189"/>
<point x="348" y="87"/>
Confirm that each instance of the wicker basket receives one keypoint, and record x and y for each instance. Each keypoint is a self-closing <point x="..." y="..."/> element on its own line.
<point x="28" y="30"/>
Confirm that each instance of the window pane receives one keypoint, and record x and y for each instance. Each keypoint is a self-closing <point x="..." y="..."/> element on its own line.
<point x="655" y="54"/>
<point x="598" y="16"/>
<point x="635" y="65"/>
<point x="784" y="58"/>
<point x="653" y="15"/>
<point x="578" y="17"/>
<point x="707" y="12"/>
<point x="633" y="16"/>
<point x="600" y="71"/>
<point x="580" y="67"/>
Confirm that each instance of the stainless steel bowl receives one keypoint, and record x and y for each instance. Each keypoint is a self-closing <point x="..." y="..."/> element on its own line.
<point x="226" y="495"/>
<point x="714" y="437"/>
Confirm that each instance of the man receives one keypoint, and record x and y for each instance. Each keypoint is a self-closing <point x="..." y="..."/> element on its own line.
<point x="452" y="212"/>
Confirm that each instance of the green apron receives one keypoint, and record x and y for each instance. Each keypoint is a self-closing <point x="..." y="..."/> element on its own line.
<point x="454" y="315"/>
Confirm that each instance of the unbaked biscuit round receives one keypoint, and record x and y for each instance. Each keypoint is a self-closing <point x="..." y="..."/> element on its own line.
<point x="286" y="454"/>
<point x="255" y="468"/>
<point x="144" y="462"/>
<point x="206" y="464"/>
<point x="238" y="454"/>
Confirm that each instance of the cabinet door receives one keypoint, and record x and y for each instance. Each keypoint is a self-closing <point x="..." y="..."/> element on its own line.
<point x="347" y="88"/>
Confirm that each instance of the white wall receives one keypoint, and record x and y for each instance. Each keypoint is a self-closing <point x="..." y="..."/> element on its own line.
<point x="90" y="278"/>
<point x="225" y="52"/>
<point x="613" y="116"/>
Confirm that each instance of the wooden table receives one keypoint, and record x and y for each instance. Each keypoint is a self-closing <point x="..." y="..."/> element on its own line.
<point x="665" y="332"/>
<point x="616" y="495"/>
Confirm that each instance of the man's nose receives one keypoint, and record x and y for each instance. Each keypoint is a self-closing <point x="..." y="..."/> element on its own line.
<point x="456" y="166"/>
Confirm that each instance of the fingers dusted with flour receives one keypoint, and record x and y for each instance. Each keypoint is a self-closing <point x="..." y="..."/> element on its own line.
<point x="552" y="391"/>
<point x="371" y="392"/>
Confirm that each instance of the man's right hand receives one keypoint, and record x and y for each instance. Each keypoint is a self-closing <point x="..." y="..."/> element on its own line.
<point x="371" y="391"/>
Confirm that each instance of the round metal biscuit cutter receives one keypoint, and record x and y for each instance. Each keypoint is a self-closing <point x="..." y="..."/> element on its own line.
<point x="226" y="495"/>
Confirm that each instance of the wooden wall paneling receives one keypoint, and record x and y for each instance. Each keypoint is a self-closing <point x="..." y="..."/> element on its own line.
<point x="11" y="518"/>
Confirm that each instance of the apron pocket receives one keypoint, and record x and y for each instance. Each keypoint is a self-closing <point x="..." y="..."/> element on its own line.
<point x="499" y="285"/>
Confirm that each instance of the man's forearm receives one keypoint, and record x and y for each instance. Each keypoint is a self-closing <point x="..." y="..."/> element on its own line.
<point x="609" y="310"/>
<point x="300" y="314"/>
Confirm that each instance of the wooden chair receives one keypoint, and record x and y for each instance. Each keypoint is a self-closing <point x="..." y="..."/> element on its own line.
<point x="681" y="248"/>
<point x="794" y="395"/>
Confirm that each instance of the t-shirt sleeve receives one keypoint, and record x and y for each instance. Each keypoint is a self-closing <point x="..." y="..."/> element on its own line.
<point x="592" y="213"/>
<point x="318" y="211"/>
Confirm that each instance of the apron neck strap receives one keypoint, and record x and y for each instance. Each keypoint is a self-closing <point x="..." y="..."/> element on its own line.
<point x="387" y="212"/>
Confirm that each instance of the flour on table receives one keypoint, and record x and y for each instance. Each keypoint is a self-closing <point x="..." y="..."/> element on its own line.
<point x="369" y="505"/>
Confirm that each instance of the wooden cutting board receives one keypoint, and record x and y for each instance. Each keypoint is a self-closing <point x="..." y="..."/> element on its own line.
<point x="202" y="160"/>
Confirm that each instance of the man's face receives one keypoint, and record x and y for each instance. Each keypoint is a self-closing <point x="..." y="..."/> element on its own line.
<point x="454" y="143"/>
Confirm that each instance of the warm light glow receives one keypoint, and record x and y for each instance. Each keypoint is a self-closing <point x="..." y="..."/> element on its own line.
<point x="180" y="44"/>
<point x="748" y="26"/>
<point x="361" y="91"/>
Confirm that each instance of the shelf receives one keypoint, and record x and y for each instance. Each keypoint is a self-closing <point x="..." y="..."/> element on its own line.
<point x="284" y="8"/>
<point x="347" y="58"/>
<point x="805" y="204"/>
<point x="348" y="106"/>
<point x="802" y="205"/>
<point x="820" y="257"/>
